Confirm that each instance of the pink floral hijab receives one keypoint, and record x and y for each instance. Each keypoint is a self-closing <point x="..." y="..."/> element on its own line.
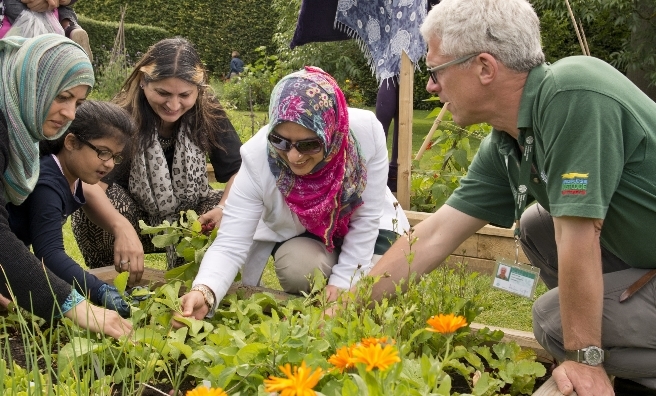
<point x="324" y="199"/>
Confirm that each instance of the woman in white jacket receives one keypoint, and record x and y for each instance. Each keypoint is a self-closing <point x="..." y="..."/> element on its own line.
<point x="311" y="191"/>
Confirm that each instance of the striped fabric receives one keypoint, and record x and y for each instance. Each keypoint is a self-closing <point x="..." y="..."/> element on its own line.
<point x="33" y="72"/>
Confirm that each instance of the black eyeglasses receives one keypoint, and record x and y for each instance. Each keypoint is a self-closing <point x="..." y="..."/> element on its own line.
<point x="104" y="155"/>
<point x="433" y="71"/>
<point x="306" y="146"/>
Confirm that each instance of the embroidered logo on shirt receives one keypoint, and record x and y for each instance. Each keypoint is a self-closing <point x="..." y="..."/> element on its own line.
<point x="574" y="183"/>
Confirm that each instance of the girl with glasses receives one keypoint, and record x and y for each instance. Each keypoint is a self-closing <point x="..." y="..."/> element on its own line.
<point x="59" y="71"/>
<point x="86" y="153"/>
<point x="180" y="123"/>
<point x="311" y="192"/>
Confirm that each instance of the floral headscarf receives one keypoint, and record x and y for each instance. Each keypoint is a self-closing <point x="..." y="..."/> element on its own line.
<point x="324" y="199"/>
<point x="34" y="71"/>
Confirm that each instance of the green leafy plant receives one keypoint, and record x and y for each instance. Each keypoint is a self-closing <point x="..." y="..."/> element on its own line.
<point x="451" y="151"/>
<point x="190" y="238"/>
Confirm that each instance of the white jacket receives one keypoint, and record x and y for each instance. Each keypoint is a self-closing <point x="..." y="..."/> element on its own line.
<point x="256" y="215"/>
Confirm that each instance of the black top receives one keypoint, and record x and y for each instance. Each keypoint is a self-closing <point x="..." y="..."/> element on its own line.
<point x="35" y="289"/>
<point x="226" y="160"/>
<point x="38" y="222"/>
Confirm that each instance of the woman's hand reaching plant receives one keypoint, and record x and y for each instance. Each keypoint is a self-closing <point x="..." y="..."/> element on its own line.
<point x="99" y="320"/>
<point x="193" y="306"/>
<point x="211" y="219"/>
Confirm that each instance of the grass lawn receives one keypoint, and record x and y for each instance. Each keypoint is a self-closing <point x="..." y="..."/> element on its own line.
<point x="505" y="310"/>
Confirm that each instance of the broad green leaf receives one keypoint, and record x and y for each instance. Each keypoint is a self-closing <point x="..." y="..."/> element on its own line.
<point x="165" y="240"/>
<point x="361" y="385"/>
<point x="445" y="386"/>
<point x="121" y="282"/>
<point x="196" y="226"/>
<point x="182" y="347"/>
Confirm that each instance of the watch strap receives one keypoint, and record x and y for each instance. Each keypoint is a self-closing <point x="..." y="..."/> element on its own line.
<point x="208" y="295"/>
<point x="578" y="355"/>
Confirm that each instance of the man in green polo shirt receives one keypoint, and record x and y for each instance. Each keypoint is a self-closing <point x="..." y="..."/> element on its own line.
<point x="580" y="139"/>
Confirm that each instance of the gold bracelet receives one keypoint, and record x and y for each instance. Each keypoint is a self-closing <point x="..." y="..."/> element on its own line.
<point x="208" y="295"/>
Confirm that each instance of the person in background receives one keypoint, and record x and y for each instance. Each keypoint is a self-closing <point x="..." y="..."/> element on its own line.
<point x="311" y="192"/>
<point x="59" y="70"/>
<point x="180" y="123"/>
<point x="577" y="137"/>
<point x="87" y="151"/>
<point x="11" y="10"/>
<point x="236" y="65"/>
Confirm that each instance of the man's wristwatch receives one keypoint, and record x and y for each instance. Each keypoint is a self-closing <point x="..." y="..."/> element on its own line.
<point x="208" y="295"/>
<point x="592" y="355"/>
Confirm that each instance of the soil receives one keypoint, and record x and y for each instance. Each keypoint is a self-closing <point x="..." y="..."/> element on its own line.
<point x="461" y="385"/>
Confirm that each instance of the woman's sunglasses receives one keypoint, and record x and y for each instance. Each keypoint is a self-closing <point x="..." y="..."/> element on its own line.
<point x="307" y="146"/>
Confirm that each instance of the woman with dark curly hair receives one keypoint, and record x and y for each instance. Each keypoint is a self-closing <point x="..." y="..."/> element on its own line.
<point x="180" y="123"/>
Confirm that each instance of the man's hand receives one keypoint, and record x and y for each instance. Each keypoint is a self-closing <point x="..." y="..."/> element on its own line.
<point x="99" y="320"/>
<point x="585" y="380"/>
<point x="193" y="306"/>
<point x="41" y="5"/>
<point x="128" y="253"/>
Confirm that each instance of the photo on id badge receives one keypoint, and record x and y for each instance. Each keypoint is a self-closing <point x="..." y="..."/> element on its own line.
<point x="516" y="278"/>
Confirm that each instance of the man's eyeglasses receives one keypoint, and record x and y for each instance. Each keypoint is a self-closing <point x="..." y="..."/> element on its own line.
<point x="104" y="155"/>
<point x="434" y="70"/>
<point x="307" y="146"/>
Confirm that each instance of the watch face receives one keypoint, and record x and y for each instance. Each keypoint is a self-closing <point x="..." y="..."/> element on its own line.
<point x="594" y="356"/>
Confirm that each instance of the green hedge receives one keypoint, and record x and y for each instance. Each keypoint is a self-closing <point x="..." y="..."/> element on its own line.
<point x="102" y="35"/>
<point x="215" y="27"/>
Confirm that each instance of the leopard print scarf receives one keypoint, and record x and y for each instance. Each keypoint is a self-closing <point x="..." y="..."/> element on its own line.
<point x="161" y="193"/>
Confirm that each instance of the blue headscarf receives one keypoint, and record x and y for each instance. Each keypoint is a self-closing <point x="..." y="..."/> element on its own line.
<point x="34" y="71"/>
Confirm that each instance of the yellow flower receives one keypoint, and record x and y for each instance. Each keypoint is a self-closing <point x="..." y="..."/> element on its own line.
<point x="446" y="324"/>
<point x="343" y="359"/>
<point x="382" y="340"/>
<point x="375" y="356"/>
<point x="298" y="383"/>
<point x="203" y="391"/>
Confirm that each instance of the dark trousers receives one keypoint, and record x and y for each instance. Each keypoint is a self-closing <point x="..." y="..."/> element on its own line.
<point x="627" y="328"/>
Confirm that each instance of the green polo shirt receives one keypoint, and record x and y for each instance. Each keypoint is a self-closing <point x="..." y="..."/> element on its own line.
<point x="595" y="157"/>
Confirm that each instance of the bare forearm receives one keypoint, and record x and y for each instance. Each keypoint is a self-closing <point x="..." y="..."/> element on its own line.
<point x="580" y="281"/>
<point x="431" y="242"/>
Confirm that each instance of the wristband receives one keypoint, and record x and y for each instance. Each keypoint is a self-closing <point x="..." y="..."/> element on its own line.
<point x="208" y="295"/>
<point x="222" y="207"/>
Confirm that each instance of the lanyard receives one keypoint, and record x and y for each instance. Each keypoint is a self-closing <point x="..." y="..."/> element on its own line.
<point x="522" y="189"/>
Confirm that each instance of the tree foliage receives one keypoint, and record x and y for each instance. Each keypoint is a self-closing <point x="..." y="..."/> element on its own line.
<point x="620" y="32"/>
<point x="215" y="27"/>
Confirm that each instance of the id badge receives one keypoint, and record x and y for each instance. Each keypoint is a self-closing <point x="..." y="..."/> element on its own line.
<point x="516" y="278"/>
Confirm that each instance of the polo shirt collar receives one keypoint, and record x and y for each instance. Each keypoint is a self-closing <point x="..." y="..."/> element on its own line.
<point x="506" y="143"/>
<point x="530" y="92"/>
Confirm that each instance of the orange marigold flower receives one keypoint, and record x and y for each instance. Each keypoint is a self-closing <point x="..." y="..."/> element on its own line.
<point x="203" y="391"/>
<point x="446" y="324"/>
<point x="382" y="340"/>
<point x="298" y="383"/>
<point x="375" y="356"/>
<point x="343" y="359"/>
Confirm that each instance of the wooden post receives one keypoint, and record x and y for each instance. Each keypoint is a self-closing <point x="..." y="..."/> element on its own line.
<point x="406" y="83"/>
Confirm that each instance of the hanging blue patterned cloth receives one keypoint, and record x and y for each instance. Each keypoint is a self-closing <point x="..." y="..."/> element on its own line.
<point x="384" y="29"/>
